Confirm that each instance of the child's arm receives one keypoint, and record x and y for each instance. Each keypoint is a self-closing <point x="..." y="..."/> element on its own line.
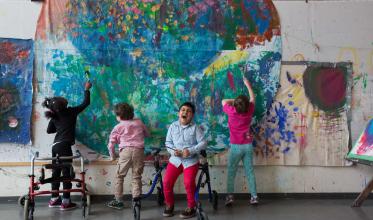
<point x="51" y="127"/>
<point x="87" y="99"/>
<point x="113" y="139"/>
<point x="146" y="131"/>
<point x="227" y="101"/>
<point x="250" y="89"/>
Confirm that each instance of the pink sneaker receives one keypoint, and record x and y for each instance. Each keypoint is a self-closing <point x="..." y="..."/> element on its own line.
<point x="55" y="203"/>
<point x="68" y="206"/>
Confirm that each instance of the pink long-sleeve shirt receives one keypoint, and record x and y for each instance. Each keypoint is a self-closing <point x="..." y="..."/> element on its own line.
<point x="128" y="133"/>
<point x="239" y="124"/>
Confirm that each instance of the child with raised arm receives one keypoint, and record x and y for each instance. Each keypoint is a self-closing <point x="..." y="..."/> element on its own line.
<point x="129" y="134"/>
<point x="63" y="123"/>
<point x="240" y="112"/>
<point x="184" y="141"/>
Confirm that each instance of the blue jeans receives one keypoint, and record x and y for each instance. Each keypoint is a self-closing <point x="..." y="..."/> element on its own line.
<point x="239" y="152"/>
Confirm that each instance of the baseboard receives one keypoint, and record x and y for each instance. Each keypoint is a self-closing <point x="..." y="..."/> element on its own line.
<point x="101" y="198"/>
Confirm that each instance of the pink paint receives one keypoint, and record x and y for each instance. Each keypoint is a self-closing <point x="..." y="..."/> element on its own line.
<point x="136" y="11"/>
<point x="231" y="80"/>
<point x="104" y="172"/>
<point x="332" y="86"/>
<point x="303" y="129"/>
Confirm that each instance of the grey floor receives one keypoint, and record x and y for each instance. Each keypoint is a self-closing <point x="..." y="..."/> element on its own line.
<point x="269" y="209"/>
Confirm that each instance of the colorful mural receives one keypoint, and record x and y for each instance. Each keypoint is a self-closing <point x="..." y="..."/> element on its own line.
<point x="308" y="121"/>
<point x="16" y="70"/>
<point x="156" y="55"/>
<point x="363" y="148"/>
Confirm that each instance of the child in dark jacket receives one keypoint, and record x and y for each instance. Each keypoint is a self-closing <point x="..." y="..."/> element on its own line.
<point x="63" y="123"/>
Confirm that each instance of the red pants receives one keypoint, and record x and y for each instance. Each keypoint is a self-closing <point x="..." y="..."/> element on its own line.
<point x="172" y="173"/>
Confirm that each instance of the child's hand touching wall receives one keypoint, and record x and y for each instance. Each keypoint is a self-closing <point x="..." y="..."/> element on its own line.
<point x="87" y="85"/>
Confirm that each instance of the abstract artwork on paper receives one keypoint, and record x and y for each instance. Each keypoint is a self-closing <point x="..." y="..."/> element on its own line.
<point x="308" y="121"/>
<point x="16" y="70"/>
<point x="155" y="55"/>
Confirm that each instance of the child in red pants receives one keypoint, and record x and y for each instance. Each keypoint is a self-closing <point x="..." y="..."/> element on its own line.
<point x="184" y="141"/>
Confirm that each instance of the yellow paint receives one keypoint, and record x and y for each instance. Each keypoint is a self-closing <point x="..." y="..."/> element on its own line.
<point x="315" y="114"/>
<point x="224" y="60"/>
<point x="160" y="72"/>
<point x="124" y="28"/>
<point x="156" y="7"/>
<point x="370" y="60"/>
<point x="193" y="93"/>
<point x="185" y="37"/>
<point x="298" y="57"/>
<point x="136" y="53"/>
<point x="172" y="88"/>
<point x="207" y="102"/>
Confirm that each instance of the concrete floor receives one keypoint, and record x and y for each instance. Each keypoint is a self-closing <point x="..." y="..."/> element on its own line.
<point x="269" y="209"/>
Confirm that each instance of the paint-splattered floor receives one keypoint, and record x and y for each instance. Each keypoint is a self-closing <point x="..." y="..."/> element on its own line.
<point x="287" y="209"/>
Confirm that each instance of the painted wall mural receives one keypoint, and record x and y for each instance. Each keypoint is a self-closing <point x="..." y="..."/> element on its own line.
<point x="308" y="123"/>
<point x="363" y="148"/>
<point x="16" y="71"/>
<point x="156" y="55"/>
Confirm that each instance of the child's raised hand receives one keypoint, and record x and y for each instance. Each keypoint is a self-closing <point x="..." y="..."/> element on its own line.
<point x="87" y="85"/>
<point x="186" y="153"/>
<point x="245" y="81"/>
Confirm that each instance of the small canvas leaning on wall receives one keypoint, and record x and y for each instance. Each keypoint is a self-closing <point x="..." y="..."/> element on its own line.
<point x="363" y="148"/>
<point x="16" y="70"/>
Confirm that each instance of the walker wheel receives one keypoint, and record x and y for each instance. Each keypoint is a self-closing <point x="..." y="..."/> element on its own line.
<point x="21" y="200"/>
<point x="201" y="215"/>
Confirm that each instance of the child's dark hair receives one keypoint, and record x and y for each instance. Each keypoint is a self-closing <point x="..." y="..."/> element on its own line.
<point x="55" y="105"/>
<point x="190" y="105"/>
<point x="124" y="111"/>
<point x="241" y="103"/>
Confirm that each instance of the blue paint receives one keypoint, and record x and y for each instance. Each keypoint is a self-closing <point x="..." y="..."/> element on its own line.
<point x="262" y="19"/>
<point x="286" y="150"/>
<point x="290" y="79"/>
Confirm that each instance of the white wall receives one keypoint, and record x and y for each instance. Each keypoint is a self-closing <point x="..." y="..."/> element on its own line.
<point x="329" y="31"/>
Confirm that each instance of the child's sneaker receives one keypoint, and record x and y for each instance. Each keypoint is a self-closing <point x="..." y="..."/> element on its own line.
<point x="115" y="204"/>
<point x="229" y="200"/>
<point x="254" y="200"/>
<point x="188" y="213"/>
<point x="55" y="202"/>
<point x="168" y="211"/>
<point x="67" y="206"/>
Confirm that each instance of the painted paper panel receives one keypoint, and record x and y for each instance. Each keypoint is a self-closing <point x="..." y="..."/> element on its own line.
<point x="156" y="55"/>
<point x="16" y="70"/>
<point x="363" y="148"/>
<point x="308" y="121"/>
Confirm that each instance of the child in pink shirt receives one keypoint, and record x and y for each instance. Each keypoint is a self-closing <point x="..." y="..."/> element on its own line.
<point x="129" y="134"/>
<point x="240" y="112"/>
